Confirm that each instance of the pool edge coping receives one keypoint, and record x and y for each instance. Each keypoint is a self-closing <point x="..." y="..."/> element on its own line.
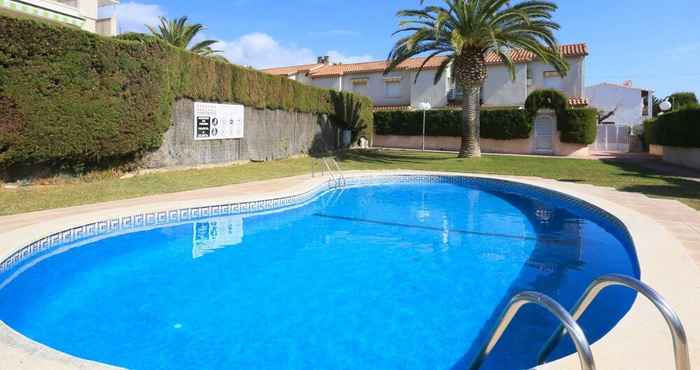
<point x="662" y="269"/>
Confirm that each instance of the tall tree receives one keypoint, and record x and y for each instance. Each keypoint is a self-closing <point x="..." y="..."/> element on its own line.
<point x="465" y="31"/>
<point x="180" y="33"/>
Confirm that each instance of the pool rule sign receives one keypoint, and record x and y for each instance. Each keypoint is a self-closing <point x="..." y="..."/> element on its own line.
<point x="218" y="121"/>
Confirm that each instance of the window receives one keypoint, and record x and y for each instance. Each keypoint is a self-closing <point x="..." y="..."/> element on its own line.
<point x="392" y="87"/>
<point x="360" y="86"/>
<point x="552" y="80"/>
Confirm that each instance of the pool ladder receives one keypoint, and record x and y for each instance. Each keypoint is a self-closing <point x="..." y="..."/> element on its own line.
<point x="570" y="326"/>
<point x="330" y="165"/>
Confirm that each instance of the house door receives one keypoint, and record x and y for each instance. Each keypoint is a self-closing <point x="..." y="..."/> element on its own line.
<point x="545" y="128"/>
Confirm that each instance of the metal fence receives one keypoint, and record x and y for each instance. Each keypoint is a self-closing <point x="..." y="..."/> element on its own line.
<point x="613" y="138"/>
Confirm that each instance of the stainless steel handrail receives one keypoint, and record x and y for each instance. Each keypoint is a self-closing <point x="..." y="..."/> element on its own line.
<point x="519" y="300"/>
<point x="331" y="166"/>
<point x="340" y="171"/>
<point x="680" y="341"/>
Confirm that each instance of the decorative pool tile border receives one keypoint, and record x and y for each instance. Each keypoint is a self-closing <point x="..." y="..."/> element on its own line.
<point x="162" y="218"/>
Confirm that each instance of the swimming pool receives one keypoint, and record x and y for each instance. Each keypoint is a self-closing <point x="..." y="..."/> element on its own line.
<point x="395" y="272"/>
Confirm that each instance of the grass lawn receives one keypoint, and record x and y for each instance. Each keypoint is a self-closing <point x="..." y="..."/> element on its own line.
<point x="93" y="189"/>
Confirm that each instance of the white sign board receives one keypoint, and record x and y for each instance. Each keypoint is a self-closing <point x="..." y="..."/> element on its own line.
<point x="218" y="121"/>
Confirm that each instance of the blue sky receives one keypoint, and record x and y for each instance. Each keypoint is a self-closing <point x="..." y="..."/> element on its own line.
<point x="655" y="44"/>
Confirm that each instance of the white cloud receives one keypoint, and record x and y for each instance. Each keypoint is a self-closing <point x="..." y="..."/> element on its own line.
<point x="338" y="57"/>
<point x="260" y="50"/>
<point x="256" y="49"/>
<point x="133" y="16"/>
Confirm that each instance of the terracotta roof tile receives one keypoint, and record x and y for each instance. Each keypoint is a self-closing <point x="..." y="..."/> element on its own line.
<point x="286" y="71"/>
<point x="578" y="101"/>
<point x="330" y="70"/>
<point x="522" y="56"/>
<point x="372" y="67"/>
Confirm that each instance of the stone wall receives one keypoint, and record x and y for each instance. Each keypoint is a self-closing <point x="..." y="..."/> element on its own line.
<point x="268" y="135"/>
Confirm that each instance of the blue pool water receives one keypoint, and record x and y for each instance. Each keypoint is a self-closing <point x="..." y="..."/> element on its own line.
<point x="392" y="276"/>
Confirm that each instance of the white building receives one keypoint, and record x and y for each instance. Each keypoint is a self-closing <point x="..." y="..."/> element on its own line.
<point x="78" y="13"/>
<point x="398" y="90"/>
<point x="631" y="105"/>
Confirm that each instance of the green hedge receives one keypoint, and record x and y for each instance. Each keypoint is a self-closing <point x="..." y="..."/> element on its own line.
<point x="650" y="132"/>
<point x="680" y="128"/>
<point x="502" y="124"/>
<point x="547" y="99"/>
<point x="71" y="97"/>
<point x="580" y="126"/>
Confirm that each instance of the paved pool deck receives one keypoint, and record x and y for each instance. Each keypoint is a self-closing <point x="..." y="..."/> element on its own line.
<point x="666" y="234"/>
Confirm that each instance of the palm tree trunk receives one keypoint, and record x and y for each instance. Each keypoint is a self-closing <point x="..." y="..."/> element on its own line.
<point x="470" y="121"/>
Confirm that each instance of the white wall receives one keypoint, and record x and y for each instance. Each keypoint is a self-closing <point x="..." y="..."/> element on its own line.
<point x="572" y="85"/>
<point x="426" y="90"/>
<point x="628" y="102"/>
<point x="333" y="83"/>
<point x="376" y="87"/>
<point x="501" y="90"/>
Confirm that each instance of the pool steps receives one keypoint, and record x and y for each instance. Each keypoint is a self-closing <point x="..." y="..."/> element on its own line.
<point x="330" y="166"/>
<point x="569" y="321"/>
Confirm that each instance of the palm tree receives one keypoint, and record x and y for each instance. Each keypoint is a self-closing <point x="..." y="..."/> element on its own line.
<point x="180" y="33"/>
<point x="465" y="31"/>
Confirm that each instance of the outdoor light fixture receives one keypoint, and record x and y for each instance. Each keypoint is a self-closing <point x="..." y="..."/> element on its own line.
<point x="424" y="106"/>
<point x="665" y="106"/>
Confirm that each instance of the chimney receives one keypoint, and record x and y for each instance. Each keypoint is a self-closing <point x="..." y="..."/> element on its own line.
<point x="323" y="59"/>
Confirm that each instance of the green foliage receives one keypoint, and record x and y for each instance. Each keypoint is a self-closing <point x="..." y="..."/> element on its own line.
<point x="505" y="124"/>
<point x="348" y="114"/>
<point x="501" y="124"/>
<point x="579" y="126"/>
<point x="68" y="97"/>
<point x="547" y="99"/>
<point x="680" y="128"/>
<point x="180" y="33"/>
<point x="136" y="36"/>
<point x="682" y="100"/>
<point x="650" y="132"/>
<point x="481" y="26"/>
<point x="463" y="32"/>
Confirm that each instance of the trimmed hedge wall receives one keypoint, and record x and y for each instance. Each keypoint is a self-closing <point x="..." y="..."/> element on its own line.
<point x="502" y="124"/>
<point x="680" y="128"/>
<point x="72" y="98"/>
<point x="578" y="126"/>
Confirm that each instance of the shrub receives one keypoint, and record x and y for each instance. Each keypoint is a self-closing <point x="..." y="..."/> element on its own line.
<point x="579" y="126"/>
<point x="501" y="124"/>
<point x="547" y="99"/>
<point x="650" y="132"/>
<point x="680" y="128"/>
<point x="81" y="99"/>
<point x="505" y="124"/>
<point x="682" y="100"/>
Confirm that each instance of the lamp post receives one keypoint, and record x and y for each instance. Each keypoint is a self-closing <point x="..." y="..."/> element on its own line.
<point x="425" y="107"/>
<point x="665" y="106"/>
